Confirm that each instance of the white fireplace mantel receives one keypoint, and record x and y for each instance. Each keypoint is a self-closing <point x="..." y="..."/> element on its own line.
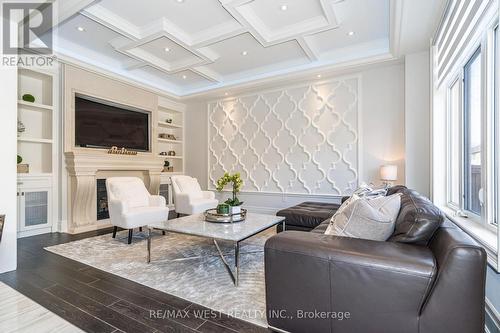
<point x="83" y="167"/>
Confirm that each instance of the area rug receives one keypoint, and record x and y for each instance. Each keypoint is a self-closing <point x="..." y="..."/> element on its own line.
<point x="185" y="266"/>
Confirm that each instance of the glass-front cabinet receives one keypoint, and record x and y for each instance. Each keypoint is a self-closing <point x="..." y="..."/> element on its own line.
<point x="34" y="201"/>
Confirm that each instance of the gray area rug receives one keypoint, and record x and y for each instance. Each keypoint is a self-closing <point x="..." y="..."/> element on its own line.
<point x="185" y="266"/>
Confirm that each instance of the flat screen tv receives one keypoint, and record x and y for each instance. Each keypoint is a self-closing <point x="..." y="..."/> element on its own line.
<point x="101" y="124"/>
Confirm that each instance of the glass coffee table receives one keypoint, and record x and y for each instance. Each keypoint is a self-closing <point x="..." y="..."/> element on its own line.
<point x="195" y="225"/>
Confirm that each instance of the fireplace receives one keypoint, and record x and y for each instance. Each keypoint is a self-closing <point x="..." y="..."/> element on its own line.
<point x="102" y="200"/>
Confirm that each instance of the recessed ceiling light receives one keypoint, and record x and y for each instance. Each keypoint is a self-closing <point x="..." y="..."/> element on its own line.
<point x="167" y="49"/>
<point x="244" y="53"/>
<point x="225" y="94"/>
<point x="184" y="77"/>
<point x="81" y="29"/>
<point x="284" y="7"/>
<point x="351" y="33"/>
<point x="180" y="1"/>
<point x="318" y="76"/>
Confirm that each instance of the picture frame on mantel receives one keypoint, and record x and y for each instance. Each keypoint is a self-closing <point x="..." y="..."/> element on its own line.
<point x="2" y="221"/>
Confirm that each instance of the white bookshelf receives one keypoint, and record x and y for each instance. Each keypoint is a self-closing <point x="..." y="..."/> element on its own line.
<point x="37" y="145"/>
<point x="174" y="127"/>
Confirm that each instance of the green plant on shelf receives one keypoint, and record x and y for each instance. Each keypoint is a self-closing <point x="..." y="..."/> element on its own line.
<point x="28" y="98"/>
<point x="19" y="159"/>
<point x="237" y="184"/>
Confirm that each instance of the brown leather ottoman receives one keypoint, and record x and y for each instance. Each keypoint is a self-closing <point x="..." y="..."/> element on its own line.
<point x="307" y="215"/>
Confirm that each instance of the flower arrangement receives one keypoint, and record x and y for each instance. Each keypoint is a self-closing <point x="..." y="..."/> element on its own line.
<point x="237" y="183"/>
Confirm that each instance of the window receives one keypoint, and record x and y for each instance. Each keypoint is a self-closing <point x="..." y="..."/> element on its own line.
<point x="496" y="121"/>
<point x="455" y="146"/>
<point x="473" y="106"/>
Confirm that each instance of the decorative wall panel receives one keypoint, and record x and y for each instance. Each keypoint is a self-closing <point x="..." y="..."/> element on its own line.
<point x="301" y="140"/>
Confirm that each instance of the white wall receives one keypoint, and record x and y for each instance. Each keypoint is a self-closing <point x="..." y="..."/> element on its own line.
<point x="417" y="121"/>
<point x="382" y="134"/>
<point x="8" y="172"/>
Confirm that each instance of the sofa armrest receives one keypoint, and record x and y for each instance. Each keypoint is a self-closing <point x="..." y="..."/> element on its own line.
<point x="157" y="201"/>
<point x="208" y="195"/>
<point x="372" y="281"/>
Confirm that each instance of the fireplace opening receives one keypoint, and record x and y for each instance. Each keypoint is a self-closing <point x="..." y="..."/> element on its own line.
<point x="102" y="200"/>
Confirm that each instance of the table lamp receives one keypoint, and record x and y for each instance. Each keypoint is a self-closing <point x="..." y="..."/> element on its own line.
<point x="388" y="174"/>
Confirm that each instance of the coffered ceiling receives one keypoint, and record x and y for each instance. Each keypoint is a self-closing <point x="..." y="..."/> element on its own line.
<point x="191" y="46"/>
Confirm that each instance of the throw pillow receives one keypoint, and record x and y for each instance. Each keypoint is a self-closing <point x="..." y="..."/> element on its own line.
<point x="366" y="218"/>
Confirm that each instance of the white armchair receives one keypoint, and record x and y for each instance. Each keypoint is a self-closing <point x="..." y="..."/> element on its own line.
<point x="189" y="198"/>
<point x="131" y="206"/>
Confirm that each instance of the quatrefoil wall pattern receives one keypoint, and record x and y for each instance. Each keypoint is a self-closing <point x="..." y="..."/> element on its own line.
<point x="300" y="140"/>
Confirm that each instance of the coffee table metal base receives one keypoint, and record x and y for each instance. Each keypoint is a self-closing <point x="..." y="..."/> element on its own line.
<point x="233" y="274"/>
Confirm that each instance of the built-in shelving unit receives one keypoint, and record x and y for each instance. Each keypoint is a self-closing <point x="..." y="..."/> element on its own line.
<point x="36" y="145"/>
<point x="171" y="121"/>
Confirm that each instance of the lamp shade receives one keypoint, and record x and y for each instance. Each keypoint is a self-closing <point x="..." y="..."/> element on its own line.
<point x="389" y="172"/>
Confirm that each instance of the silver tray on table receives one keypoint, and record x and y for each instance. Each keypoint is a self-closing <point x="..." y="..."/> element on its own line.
<point x="211" y="215"/>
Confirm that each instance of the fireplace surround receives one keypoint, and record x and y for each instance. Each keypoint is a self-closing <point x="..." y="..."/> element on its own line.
<point x="85" y="167"/>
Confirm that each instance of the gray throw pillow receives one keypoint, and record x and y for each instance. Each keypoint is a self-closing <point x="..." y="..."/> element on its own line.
<point x="366" y="218"/>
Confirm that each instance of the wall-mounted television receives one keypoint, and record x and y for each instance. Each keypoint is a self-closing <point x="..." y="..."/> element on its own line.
<point x="103" y="124"/>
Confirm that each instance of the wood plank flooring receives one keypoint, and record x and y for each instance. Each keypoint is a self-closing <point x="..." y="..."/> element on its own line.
<point x="97" y="301"/>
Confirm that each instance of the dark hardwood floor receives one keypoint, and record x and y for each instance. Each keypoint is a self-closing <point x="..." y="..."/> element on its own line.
<point x="96" y="301"/>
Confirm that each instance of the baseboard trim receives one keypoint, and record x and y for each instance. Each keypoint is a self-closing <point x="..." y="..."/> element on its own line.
<point x="492" y="312"/>
<point x="261" y="210"/>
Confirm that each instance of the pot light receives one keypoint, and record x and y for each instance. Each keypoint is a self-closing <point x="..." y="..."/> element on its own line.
<point x="184" y="77"/>
<point x="318" y="76"/>
<point x="180" y="1"/>
<point x="351" y="33"/>
<point x="167" y="49"/>
<point x="225" y="94"/>
<point x="244" y="53"/>
<point x="81" y="29"/>
<point x="284" y="7"/>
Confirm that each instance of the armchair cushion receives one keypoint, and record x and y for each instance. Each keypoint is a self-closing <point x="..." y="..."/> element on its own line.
<point x="144" y="215"/>
<point x="132" y="192"/>
<point x="191" y="186"/>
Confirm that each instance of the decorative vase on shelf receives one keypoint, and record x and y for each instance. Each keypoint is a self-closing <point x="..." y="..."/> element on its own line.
<point x="20" y="128"/>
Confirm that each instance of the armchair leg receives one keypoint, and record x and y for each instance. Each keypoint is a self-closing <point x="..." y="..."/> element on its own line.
<point x="114" y="231"/>
<point x="163" y="232"/>
<point x="140" y="229"/>
<point x="178" y="215"/>
<point x="130" y="236"/>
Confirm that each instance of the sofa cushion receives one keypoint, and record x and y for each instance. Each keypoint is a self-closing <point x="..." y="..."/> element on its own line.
<point x="366" y="218"/>
<point x="308" y="214"/>
<point x="418" y="218"/>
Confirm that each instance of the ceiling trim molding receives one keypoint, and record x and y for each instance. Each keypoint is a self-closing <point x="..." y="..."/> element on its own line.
<point x="396" y="8"/>
<point x="100" y="70"/>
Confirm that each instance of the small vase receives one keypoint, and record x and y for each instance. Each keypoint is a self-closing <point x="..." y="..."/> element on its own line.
<point x="235" y="209"/>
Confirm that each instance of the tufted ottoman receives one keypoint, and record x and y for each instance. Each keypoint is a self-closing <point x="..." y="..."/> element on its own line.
<point x="307" y="215"/>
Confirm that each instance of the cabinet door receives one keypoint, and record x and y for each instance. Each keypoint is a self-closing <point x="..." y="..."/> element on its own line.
<point x="34" y="208"/>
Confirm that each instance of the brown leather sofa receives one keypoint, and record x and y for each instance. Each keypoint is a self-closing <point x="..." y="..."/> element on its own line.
<point x="429" y="277"/>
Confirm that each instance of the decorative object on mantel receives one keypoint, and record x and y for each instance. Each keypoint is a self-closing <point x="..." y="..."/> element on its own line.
<point x="167" y="136"/>
<point x="2" y="221"/>
<point x="171" y="153"/>
<point x="212" y="215"/>
<point x="167" y="167"/>
<point x="123" y="151"/>
<point x="28" y="98"/>
<point x="22" y="168"/>
<point x="168" y="120"/>
<point x="20" y="128"/>
<point x="388" y="174"/>
<point x="163" y="153"/>
<point x="237" y="183"/>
